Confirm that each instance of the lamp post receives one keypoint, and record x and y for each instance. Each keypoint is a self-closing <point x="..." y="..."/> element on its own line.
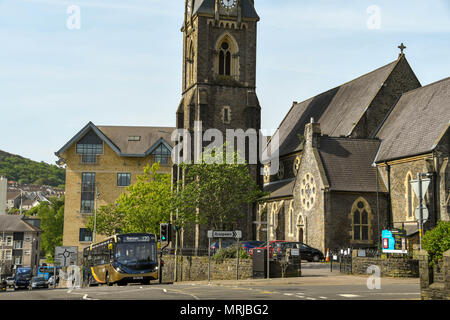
<point x="95" y="215"/>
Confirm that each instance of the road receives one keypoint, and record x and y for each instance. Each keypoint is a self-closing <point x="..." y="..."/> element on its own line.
<point x="316" y="283"/>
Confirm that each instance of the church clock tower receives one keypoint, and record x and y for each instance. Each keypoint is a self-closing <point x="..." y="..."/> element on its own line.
<point x="219" y="71"/>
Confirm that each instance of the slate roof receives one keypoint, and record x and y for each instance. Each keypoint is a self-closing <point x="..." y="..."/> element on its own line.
<point x="14" y="223"/>
<point x="208" y="7"/>
<point x="337" y="110"/>
<point x="348" y="164"/>
<point x="280" y="189"/>
<point x="149" y="137"/>
<point x="117" y="137"/>
<point x="417" y="122"/>
<point x="11" y="195"/>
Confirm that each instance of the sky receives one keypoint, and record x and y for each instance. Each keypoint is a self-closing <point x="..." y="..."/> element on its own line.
<point x="119" y="62"/>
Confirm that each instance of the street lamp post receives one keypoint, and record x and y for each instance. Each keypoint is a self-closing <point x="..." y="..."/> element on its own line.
<point x="95" y="215"/>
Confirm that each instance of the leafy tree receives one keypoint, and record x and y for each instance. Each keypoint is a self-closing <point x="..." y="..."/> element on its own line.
<point x="52" y="224"/>
<point x="216" y="193"/>
<point x="437" y="241"/>
<point x="109" y="220"/>
<point x="144" y="206"/>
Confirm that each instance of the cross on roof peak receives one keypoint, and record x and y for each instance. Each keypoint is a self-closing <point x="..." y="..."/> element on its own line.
<point x="402" y="47"/>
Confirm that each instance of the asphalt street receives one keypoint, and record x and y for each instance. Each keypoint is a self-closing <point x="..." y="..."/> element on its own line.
<point x="316" y="283"/>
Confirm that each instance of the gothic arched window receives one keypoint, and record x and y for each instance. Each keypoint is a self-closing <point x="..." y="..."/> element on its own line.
<point x="409" y="196"/>
<point x="225" y="59"/>
<point x="361" y="220"/>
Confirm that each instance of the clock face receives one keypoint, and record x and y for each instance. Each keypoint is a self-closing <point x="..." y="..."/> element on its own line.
<point x="228" y="4"/>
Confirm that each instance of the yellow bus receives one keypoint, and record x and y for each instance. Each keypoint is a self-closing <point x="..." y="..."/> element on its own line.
<point x="121" y="259"/>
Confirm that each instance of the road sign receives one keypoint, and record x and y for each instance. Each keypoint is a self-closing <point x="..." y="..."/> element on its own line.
<point x="237" y="234"/>
<point x="425" y="185"/>
<point x="66" y="256"/>
<point x="425" y="213"/>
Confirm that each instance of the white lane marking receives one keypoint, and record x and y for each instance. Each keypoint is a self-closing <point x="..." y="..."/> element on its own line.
<point x="323" y="298"/>
<point x="165" y="290"/>
<point x="288" y="294"/>
<point x="308" y="298"/>
<point x="349" y="295"/>
<point x="85" y="297"/>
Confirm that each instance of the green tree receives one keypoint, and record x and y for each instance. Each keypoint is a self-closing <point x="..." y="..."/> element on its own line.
<point x="216" y="193"/>
<point x="437" y="241"/>
<point x="52" y="224"/>
<point x="144" y="206"/>
<point x="109" y="220"/>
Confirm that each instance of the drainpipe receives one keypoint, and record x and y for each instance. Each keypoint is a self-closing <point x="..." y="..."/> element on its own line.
<point x="389" y="208"/>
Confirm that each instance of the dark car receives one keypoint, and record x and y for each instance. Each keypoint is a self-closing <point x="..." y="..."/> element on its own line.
<point x="306" y="252"/>
<point x="22" y="280"/>
<point x="38" y="282"/>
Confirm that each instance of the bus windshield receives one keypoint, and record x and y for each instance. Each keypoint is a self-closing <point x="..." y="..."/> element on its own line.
<point x="132" y="253"/>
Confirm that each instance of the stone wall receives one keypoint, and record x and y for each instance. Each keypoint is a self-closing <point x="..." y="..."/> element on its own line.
<point x="393" y="267"/>
<point x="196" y="269"/>
<point x="434" y="281"/>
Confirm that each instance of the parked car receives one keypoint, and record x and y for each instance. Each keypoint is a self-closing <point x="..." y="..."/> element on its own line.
<point x="273" y="246"/>
<point x="10" y="282"/>
<point x="306" y="252"/>
<point x="38" y="282"/>
<point x="22" y="278"/>
<point x="247" y="245"/>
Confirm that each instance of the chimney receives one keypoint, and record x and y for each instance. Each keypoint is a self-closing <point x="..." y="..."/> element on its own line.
<point x="312" y="134"/>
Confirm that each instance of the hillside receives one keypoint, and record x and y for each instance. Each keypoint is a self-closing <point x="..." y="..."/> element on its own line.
<point x="26" y="171"/>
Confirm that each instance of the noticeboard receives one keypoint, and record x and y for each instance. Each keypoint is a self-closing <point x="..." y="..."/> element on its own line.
<point x="394" y="241"/>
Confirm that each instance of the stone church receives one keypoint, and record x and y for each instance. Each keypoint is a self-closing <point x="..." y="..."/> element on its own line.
<point x="347" y="155"/>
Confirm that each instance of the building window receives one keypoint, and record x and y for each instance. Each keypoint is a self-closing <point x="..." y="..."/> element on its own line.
<point x="225" y="59"/>
<point x="85" y="235"/>
<point x="89" y="147"/>
<point x="410" y="209"/>
<point x="361" y="220"/>
<point x="27" y="252"/>
<point x="226" y="115"/>
<point x="18" y="244"/>
<point x="308" y="191"/>
<point x="291" y="217"/>
<point x="162" y="154"/>
<point x="123" y="179"/>
<point x="27" y="238"/>
<point x="87" y="192"/>
<point x="17" y="260"/>
<point x="9" y="241"/>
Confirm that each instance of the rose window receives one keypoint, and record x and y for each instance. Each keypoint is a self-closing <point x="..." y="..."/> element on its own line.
<point x="308" y="191"/>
